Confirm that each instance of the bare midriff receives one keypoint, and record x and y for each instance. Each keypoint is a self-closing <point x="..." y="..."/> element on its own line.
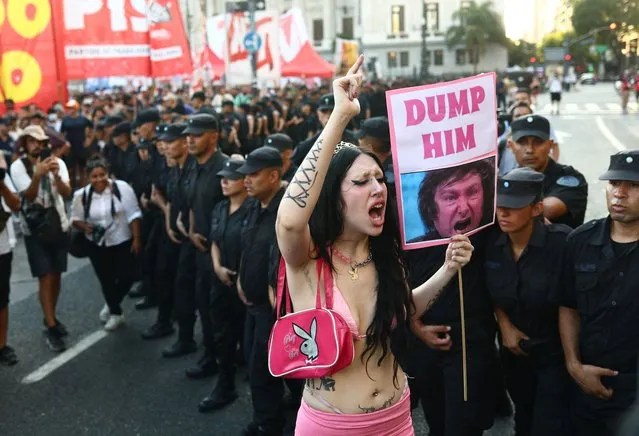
<point x="352" y="390"/>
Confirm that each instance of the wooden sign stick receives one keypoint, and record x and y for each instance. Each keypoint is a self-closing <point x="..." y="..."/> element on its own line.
<point x="463" y="334"/>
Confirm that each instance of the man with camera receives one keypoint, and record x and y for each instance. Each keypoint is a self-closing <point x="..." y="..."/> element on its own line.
<point x="43" y="182"/>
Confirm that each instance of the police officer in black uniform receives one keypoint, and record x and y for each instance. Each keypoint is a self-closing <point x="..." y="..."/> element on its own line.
<point x="284" y="144"/>
<point x="203" y="134"/>
<point x="374" y="136"/>
<point x="523" y="267"/>
<point x="228" y="312"/>
<point x="565" y="188"/>
<point x="598" y="318"/>
<point x="263" y="183"/>
<point x="169" y="244"/>
<point x="119" y="155"/>
<point x="181" y="182"/>
<point x="146" y="124"/>
<point x="324" y="110"/>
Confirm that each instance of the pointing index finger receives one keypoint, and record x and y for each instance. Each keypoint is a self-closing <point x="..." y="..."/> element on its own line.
<point x="356" y="66"/>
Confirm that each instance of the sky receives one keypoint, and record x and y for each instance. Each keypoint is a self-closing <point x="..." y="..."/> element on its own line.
<point x="519" y="17"/>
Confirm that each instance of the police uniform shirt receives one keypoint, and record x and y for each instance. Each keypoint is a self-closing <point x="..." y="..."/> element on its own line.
<point x="529" y="290"/>
<point x="422" y="265"/>
<point x="570" y="186"/>
<point x="600" y="282"/>
<point x="119" y="161"/>
<point x="258" y="237"/>
<point x="226" y="232"/>
<point x="207" y="192"/>
<point x="178" y="186"/>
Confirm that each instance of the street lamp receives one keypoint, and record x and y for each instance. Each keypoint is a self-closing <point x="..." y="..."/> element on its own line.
<point x="423" y="74"/>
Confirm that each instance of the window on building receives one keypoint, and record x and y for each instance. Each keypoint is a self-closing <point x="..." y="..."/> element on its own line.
<point x="397" y="19"/>
<point x="473" y="58"/>
<point x="460" y="57"/>
<point x="318" y="31"/>
<point x="432" y="16"/>
<point x="392" y="59"/>
<point x="439" y="57"/>
<point x="463" y="7"/>
<point x="347" y="28"/>
<point x="403" y="59"/>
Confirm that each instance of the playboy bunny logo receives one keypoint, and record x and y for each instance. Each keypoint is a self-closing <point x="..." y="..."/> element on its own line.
<point x="309" y="346"/>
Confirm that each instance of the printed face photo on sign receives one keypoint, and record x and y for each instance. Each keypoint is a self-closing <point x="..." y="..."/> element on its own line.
<point x="444" y="202"/>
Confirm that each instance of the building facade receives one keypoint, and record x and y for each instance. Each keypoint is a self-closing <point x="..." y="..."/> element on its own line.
<point x="389" y="31"/>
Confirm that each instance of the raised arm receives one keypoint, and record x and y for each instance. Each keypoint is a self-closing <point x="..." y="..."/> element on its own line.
<point x="293" y="234"/>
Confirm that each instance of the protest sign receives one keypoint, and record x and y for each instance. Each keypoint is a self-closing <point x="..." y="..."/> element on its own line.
<point x="444" y="144"/>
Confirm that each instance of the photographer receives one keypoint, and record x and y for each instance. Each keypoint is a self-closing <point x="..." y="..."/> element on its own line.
<point x="107" y="212"/>
<point x="42" y="180"/>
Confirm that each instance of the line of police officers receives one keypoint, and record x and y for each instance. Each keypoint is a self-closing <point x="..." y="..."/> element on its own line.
<point x="562" y="302"/>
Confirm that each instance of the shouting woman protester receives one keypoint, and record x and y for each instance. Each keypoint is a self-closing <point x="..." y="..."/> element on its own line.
<point x="107" y="212"/>
<point x="335" y="213"/>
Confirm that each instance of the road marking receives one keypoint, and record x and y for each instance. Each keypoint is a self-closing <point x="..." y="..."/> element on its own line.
<point x="592" y="107"/>
<point x="614" y="107"/>
<point x="571" y="107"/>
<point x="65" y="357"/>
<point x="609" y="136"/>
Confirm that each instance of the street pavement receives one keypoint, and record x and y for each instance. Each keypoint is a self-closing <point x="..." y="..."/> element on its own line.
<point x="117" y="384"/>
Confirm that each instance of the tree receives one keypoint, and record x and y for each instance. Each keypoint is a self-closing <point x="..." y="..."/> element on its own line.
<point x="478" y="26"/>
<point x="591" y="14"/>
<point x="520" y="52"/>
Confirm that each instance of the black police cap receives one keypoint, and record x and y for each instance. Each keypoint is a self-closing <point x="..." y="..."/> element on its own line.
<point x="123" y="128"/>
<point x="530" y="125"/>
<point x="201" y="123"/>
<point x="280" y="141"/>
<point x="624" y="166"/>
<point x="148" y="116"/>
<point x="519" y="188"/>
<point x="230" y="170"/>
<point x="144" y="144"/>
<point x="172" y="132"/>
<point x="258" y="159"/>
<point x="376" y="127"/>
<point x="327" y="102"/>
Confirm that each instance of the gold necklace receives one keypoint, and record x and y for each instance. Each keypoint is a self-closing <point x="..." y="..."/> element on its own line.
<point x="354" y="271"/>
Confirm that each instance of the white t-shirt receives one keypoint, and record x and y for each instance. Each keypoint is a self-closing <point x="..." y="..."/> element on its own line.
<point x="22" y="181"/>
<point x="126" y="211"/>
<point x="555" y="84"/>
<point x="7" y="236"/>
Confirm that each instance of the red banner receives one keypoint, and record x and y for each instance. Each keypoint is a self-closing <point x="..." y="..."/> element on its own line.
<point x="103" y="38"/>
<point x="170" y="55"/>
<point x="28" y="70"/>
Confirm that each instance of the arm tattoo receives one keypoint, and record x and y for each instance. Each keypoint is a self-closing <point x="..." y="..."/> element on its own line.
<point x="386" y="405"/>
<point x="325" y="383"/>
<point x="432" y="300"/>
<point x="305" y="177"/>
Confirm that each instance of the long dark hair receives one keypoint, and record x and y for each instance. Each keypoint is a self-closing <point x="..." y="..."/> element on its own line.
<point x="394" y="303"/>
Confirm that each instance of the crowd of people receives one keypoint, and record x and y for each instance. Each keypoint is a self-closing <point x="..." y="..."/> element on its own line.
<point x="201" y="199"/>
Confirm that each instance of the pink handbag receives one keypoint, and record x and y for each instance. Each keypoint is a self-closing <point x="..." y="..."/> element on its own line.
<point x="310" y="343"/>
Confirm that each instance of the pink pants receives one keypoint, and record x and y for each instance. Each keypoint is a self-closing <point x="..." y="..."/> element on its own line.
<point x="394" y="421"/>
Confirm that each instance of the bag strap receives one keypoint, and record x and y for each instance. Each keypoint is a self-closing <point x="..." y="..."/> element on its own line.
<point x="283" y="296"/>
<point x="282" y="290"/>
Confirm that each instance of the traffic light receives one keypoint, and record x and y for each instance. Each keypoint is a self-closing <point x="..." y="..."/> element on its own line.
<point x="568" y="57"/>
<point x="533" y="60"/>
